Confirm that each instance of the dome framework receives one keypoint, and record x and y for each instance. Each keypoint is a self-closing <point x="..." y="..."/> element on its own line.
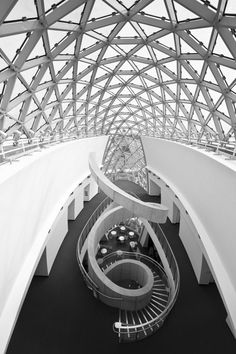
<point x="162" y="68"/>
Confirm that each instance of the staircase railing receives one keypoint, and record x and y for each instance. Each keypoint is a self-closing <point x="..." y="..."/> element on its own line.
<point x="133" y="332"/>
<point x="81" y="240"/>
<point x="150" y="262"/>
<point x="90" y="222"/>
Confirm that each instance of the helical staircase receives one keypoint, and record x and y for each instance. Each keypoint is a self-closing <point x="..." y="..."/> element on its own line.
<point x="117" y="265"/>
<point x="135" y="324"/>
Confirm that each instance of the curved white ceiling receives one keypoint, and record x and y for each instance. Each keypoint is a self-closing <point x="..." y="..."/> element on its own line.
<point x="162" y="67"/>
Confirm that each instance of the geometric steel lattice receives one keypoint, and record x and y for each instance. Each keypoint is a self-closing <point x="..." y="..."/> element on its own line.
<point x="124" y="159"/>
<point x="151" y="67"/>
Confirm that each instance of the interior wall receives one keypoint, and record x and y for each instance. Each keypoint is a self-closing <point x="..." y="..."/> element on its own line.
<point x="205" y="185"/>
<point x="33" y="189"/>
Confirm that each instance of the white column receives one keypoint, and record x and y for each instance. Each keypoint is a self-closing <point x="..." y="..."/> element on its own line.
<point x="90" y="190"/>
<point x="77" y="204"/>
<point x="167" y="200"/>
<point x="55" y="238"/>
<point x="190" y="239"/>
<point x="153" y="188"/>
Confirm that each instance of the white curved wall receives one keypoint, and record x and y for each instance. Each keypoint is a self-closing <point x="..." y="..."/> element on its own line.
<point x="32" y="192"/>
<point x="206" y="185"/>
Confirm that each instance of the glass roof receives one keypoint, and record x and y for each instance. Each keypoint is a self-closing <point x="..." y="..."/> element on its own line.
<point x="147" y="67"/>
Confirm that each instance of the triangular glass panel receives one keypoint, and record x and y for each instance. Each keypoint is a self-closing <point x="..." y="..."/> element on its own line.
<point x="159" y="11"/>
<point x="74" y="16"/>
<point x="106" y="30"/>
<point x="32" y="106"/>
<point x="137" y="81"/>
<point x="40" y="95"/>
<point x="173" y="88"/>
<point x="53" y="97"/>
<point x="22" y="9"/>
<point x="140" y="65"/>
<point x="58" y="66"/>
<point x="221" y="48"/>
<point x="184" y="73"/>
<point x="168" y="41"/>
<point x="172" y="66"/>
<point x="14" y="113"/>
<point x="165" y="77"/>
<point x="3" y="64"/>
<point x="157" y="90"/>
<point x="223" y="108"/>
<point x="110" y="66"/>
<point x="55" y="37"/>
<point x="203" y="35"/>
<point x="28" y="123"/>
<point x="185" y="48"/>
<point x="126" y="91"/>
<point x="82" y="66"/>
<point x="70" y="49"/>
<point x="143" y="52"/>
<point x="201" y="98"/>
<point x="191" y="88"/>
<point x="226" y="127"/>
<point x="209" y="76"/>
<point x="47" y="76"/>
<point x="18" y="88"/>
<point x="100" y="9"/>
<point x="228" y="74"/>
<point x="41" y="123"/>
<point x="127" y="31"/>
<point x="196" y="65"/>
<point x="38" y="50"/>
<point x="87" y="77"/>
<point x="126" y="66"/>
<point x="110" y="52"/>
<point x="29" y="74"/>
<point x="69" y="74"/>
<point x="183" y="13"/>
<point x="159" y="54"/>
<point x="115" y="81"/>
<point x="168" y="97"/>
<point x="126" y="48"/>
<point x="87" y="41"/>
<point x="149" y="30"/>
<point x="230" y="7"/>
<point x="10" y="44"/>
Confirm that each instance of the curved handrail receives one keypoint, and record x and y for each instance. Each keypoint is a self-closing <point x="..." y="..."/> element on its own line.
<point x="136" y="255"/>
<point x="121" y="328"/>
<point x="82" y="237"/>
<point x="118" y="327"/>
<point x="11" y="148"/>
<point x="149" y="211"/>
<point x="219" y="146"/>
<point x="91" y="221"/>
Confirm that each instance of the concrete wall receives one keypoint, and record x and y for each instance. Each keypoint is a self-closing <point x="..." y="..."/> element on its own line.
<point x="33" y="191"/>
<point x="205" y="185"/>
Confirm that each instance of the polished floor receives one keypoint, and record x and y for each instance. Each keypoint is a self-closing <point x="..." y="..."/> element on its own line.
<point x="60" y="316"/>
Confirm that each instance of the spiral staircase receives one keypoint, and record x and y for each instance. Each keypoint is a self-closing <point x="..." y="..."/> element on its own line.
<point x="140" y="324"/>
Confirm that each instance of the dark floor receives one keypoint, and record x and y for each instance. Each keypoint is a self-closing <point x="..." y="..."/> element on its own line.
<point x="60" y="316"/>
